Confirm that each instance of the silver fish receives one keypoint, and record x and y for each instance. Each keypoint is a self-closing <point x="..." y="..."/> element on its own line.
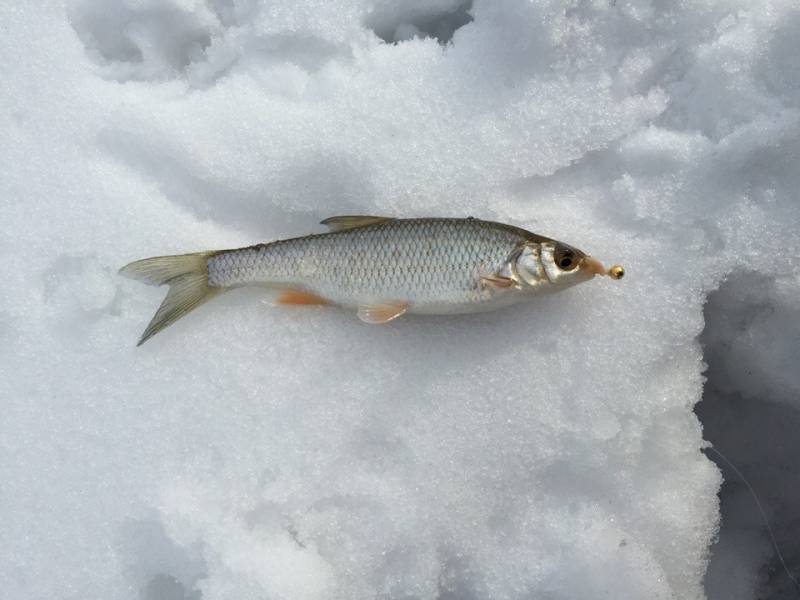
<point x="379" y="266"/>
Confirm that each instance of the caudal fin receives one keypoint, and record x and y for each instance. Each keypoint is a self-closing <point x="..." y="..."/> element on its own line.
<point x="187" y="277"/>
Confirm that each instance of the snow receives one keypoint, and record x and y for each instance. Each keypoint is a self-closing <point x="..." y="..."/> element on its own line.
<point x="546" y="451"/>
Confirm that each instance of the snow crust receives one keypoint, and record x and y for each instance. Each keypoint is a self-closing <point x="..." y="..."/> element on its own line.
<point x="547" y="451"/>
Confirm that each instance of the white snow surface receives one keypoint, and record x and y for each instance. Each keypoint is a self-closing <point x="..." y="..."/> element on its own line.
<point x="548" y="451"/>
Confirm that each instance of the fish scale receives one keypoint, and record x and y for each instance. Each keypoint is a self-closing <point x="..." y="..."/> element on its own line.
<point x="421" y="261"/>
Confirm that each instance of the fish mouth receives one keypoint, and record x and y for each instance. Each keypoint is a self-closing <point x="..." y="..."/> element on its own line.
<point x="594" y="266"/>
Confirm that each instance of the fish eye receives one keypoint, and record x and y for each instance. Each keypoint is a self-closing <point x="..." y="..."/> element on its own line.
<point x="565" y="258"/>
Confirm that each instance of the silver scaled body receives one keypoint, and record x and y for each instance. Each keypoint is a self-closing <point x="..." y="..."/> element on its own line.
<point x="379" y="266"/>
<point x="435" y="266"/>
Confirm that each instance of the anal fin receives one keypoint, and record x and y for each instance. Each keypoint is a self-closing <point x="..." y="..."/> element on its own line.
<point x="381" y="313"/>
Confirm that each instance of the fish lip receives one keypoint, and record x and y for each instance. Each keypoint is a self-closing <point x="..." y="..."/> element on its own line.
<point x="594" y="266"/>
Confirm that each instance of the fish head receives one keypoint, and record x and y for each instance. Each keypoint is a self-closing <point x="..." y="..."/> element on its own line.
<point x="555" y="265"/>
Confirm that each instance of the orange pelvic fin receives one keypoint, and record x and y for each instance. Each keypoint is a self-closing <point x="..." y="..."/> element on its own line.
<point x="292" y="297"/>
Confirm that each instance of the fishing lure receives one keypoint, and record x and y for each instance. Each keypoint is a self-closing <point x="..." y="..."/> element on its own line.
<point x="380" y="267"/>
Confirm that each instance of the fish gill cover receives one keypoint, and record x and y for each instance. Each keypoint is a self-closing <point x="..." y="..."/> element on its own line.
<point x="546" y="451"/>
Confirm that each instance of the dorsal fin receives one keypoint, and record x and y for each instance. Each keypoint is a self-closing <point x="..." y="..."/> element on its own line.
<point x="351" y="222"/>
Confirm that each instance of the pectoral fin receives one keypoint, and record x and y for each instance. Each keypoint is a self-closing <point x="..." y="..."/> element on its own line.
<point x="497" y="281"/>
<point x="381" y="313"/>
<point x="351" y="222"/>
<point x="291" y="297"/>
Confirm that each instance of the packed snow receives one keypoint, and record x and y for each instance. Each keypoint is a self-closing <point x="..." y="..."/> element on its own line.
<point x="547" y="451"/>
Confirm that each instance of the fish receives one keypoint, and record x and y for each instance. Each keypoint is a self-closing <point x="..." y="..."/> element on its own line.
<point x="379" y="267"/>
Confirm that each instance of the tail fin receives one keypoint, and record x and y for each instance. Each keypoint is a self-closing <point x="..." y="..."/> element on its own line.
<point x="187" y="277"/>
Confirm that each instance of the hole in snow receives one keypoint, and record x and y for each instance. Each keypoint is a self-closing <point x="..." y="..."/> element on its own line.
<point x="751" y="413"/>
<point x="395" y="22"/>
<point x="166" y="587"/>
<point x="156" y="565"/>
<point x="149" y="41"/>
